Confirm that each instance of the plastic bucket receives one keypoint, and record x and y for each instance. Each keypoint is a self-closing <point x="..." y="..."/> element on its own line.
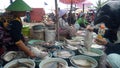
<point x="50" y="35"/>
<point x="26" y="30"/>
<point x="37" y="27"/>
<point x="38" y="32"/>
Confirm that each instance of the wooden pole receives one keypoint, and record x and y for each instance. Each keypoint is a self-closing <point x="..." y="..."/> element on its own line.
<point x="83" y="8"/>
<point x="57" y="23"/>
<point x="71" y="11"/>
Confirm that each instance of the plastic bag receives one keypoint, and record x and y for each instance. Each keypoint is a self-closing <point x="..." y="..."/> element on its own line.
<point x="88" y="39"/>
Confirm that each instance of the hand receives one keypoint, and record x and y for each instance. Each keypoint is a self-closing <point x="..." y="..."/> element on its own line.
<point x="72" y="26"/>
<point x="89" y="28"/>
<point x="24" y="48"/>
<point x="32" y="55"/>
<point x="102" y="41"/>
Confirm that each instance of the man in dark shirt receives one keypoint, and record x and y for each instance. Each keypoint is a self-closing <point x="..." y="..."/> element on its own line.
<point x="11" y="29"/>
<point x="109" y="14"/>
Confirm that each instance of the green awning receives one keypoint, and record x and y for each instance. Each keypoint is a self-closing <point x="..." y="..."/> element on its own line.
<point x="18" y="5"/>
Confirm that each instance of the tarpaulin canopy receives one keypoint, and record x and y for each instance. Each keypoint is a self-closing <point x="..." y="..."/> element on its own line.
<point x="69" y="1"/>
<point x="18" y="5"/>
<point x="86" y="3"/>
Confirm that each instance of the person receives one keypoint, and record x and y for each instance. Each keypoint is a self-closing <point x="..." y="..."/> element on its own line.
<point x="10" y="33"/>
<point x="71" y="18"/>
<point x="82" y="21"/>
<point x="11" y="38"/>
<point x="111" y="21"/>
<point x="64" y="27"/>
<point x="1" y="47"/>
<point x="108" y="14"/>
<point x="49" y="23"/>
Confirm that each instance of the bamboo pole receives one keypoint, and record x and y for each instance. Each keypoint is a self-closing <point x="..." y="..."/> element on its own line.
<point x="57" y="23"/>
<point x="83" y="8"/>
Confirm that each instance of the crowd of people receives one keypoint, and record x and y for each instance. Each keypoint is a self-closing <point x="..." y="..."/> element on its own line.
<point x="69" y="23"/>
<point x="108" y="16"/>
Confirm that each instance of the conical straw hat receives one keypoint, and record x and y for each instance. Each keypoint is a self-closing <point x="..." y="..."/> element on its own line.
<point x="18" y="5"/>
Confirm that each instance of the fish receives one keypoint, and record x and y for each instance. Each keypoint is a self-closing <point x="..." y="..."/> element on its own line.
<point x="64" y="54"/>
<point x="72" y="42"/>
<point x="21" y="65"/>
<point x="10" y="55"/>
<point x="54" y="64"/>
<point x="90" y="53"/>
<point x="82" y="63"/>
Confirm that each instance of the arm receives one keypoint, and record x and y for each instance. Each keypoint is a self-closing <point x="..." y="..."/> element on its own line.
<point x="110" y="47"/>
<point x="24" y="48"/>
<point x="63" y="24"/>
<point x="16" y="35"/>
<point x="1" y="41"/>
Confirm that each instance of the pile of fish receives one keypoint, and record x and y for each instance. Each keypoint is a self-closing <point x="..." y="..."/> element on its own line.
<point x="39" y="51"/>
<point x="64" y="54"/>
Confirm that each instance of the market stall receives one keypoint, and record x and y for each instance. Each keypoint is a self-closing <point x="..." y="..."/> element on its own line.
<point x="67" y="54"/>
<point x="80" y="51"/>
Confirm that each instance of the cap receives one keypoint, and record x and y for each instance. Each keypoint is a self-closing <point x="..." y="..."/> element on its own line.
<point x="18" y="5"/>
<point x="62" y="12"/>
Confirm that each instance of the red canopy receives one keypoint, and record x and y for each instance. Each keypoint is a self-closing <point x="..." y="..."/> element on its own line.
<point x="86" y="3"/>
<point x="69" y="1"/>
<point x="37" y="14"/>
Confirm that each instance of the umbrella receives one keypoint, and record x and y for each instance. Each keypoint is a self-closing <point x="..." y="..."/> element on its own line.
<point x="18" y="5"/>
<point x="69" y="1"/>
<point x="84" y="4"/>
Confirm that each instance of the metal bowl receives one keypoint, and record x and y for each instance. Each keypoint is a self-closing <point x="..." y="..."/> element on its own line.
<point x="80" y="58"/>
<point x="64" y="54"/>
<point x="8" y="56"/>
<point x="52" y="63"/>
<point x="97" y="55"/>
<point x="20" y="63"/>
